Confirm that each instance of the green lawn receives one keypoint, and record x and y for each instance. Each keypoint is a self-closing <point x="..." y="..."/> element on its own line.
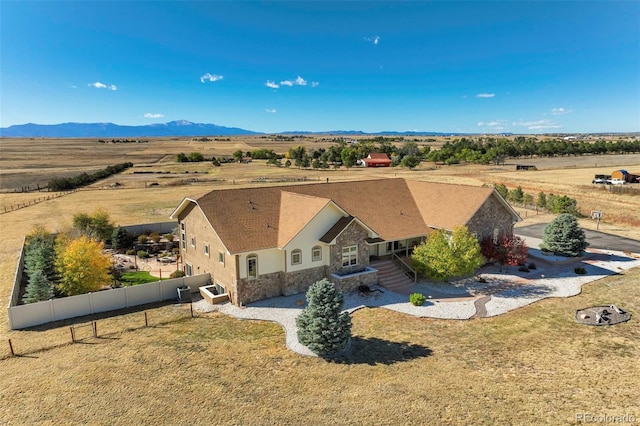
<point x="135" y="278"/>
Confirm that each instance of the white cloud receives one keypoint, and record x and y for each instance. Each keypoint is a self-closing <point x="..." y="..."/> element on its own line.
<point x="210" y="77"/>
<point x="485" y="95"/>
<point x="560" y="111"/>
<point x="537" y="125"/>
<point x="151" y="115"/>
<point x="495" y="124"/>
<point x="374" y="40"/>
<point x="99" y="85"/>
<point x="271" y="110"/>
<point x="299" y="81"/>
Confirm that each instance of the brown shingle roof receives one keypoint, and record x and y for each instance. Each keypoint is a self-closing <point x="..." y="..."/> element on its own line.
<point x="447" y="206"/>
<point x="336" y="229"/>
<point x="296" y="210"/>
<point x="249" y="219"/>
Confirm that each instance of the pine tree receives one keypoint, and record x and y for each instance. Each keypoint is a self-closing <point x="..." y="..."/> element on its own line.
<point x="38" y="289"/>
<point x="322" y="326"/>
<point x="563" y="237"/>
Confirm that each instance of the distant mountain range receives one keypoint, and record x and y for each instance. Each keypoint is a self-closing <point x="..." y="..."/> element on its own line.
<point x="172" y="128"/>
<point x="110" y="130"/>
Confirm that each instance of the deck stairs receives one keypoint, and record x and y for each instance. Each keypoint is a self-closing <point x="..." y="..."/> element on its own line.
<point x="392" y="277"/>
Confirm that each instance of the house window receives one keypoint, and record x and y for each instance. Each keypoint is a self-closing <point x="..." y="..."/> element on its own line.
<point x="183" y="236"/>
<point x="252" y="266"/>
<point x="218" y="289"/>
<point x="296" y="257"/>
<point x="206" y="249"/>
<point x="193" y="241"/>
<point x="349" y="255"/>
<point x="316" y="254"/>
<point x="188" y="270"/>
<point x="221" y="257"/>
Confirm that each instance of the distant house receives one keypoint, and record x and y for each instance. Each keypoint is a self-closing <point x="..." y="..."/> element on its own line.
<point x="377" y="159"/>
<point x="263" y="242"/>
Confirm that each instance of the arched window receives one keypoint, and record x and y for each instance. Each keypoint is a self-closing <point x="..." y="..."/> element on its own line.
<point x="252" y="266"/>
<point x="296" y="257"/>
<point x="316" y="254"/>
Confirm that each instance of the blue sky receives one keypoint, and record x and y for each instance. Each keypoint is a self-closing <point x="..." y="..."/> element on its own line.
<point x="479" y="67"/>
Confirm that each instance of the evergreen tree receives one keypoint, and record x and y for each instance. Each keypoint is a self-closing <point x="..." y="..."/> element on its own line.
<point x="516" y="195"/>
<point x="502" y="190"/>
<point x="542" y="200"/>
<point x="322" y="326"/>
<point x="121" y="239"/>
<point x="563" y="237"/>
<point x="38" y="289"/>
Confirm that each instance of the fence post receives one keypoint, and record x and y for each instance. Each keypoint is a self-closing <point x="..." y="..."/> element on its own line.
<point x="146" y="320"/>
<point x="95" y="328"/>
<point x="11" y="348"/>
<point x="73" y="335"/>
<point x="191" y="307"/>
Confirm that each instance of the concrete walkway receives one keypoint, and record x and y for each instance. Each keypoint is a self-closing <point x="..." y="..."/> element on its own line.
<point x="502" y="292"/>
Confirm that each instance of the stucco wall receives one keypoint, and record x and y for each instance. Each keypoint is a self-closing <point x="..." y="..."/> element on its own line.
<point x="197" y="225"/>
<point x="309" y="237"/>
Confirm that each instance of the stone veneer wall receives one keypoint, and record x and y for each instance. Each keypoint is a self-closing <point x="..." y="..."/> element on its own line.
<point x="352" y="282"/>
<point x="300" y="281"/>
<point x="263" y="287"/>
<point x="353" y="234"/>
<point x="277" y="284"/>
<point x="491" y="215"/>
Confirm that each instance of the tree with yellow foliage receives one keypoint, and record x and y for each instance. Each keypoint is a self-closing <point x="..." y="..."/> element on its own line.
<point x="82" y="265"/>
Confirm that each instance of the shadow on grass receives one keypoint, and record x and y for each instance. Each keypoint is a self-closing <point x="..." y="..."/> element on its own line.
<point x="373" y="351"/>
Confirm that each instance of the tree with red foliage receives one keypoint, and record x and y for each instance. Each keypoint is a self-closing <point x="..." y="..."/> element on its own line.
<point x="506" y="249"/>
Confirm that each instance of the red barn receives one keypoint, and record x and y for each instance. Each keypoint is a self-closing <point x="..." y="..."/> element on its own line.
<point x="377" y="159"/>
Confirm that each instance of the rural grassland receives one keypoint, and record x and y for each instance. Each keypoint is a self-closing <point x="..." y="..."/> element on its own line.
<point x="535" y="365"/>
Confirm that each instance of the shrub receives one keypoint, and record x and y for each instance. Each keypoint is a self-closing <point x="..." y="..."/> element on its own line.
<point x="131" y="251"/>
<point x="142" y="254"/>
<point x="177" y="274"/>
<point x="142" y="239"/>
<point x="155" y="237"/>
<point x="580" y="270"/>
<point x="441" y="257"/>
<point x="169" y="237"/>
<point x="322" y="326"/>
<point x="417" y="299"/>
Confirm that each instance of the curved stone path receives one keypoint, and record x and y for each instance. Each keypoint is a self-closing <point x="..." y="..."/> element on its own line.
<point x="480" y="305"/>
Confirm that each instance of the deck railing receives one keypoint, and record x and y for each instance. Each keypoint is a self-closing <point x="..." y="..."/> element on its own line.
<point x="405" y="268"/>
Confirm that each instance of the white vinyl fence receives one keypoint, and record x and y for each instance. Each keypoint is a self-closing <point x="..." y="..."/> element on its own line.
<point x="32" y="314"/>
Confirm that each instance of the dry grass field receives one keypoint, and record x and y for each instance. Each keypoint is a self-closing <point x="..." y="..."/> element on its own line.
<point x="532" y="366"/>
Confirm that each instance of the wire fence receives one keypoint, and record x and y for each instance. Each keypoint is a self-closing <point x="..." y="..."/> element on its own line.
<point x="33" y="202"/>
<point x="29" y="343"/>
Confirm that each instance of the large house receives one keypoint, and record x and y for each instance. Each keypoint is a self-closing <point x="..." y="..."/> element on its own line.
<point x="269" y="241"/>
